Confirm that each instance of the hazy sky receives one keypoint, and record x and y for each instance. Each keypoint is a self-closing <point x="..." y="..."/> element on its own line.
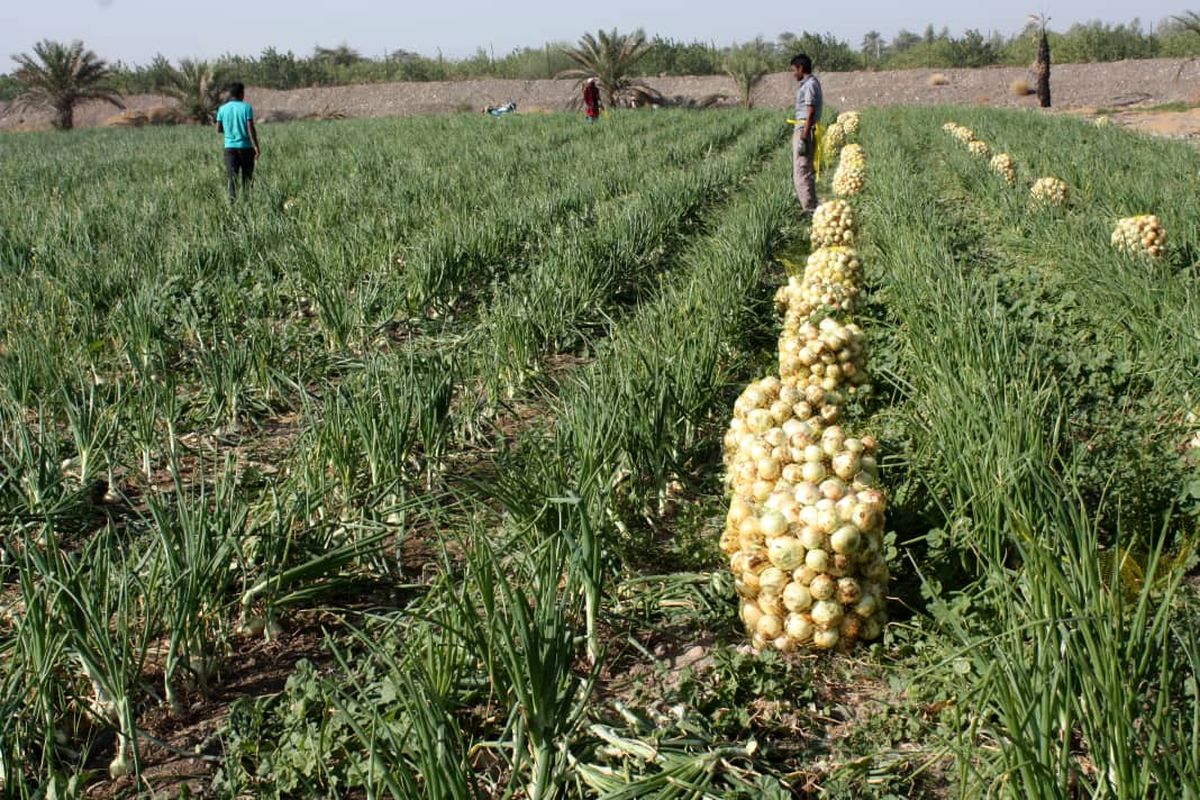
<point x="134" y="30"/>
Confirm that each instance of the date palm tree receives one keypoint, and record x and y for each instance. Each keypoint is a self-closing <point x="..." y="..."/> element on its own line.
<point x="872" y="46"/>
<point x="747" y="65"/>
<point x="1188" y="21"/>
<point x="1041" y="66"/>
<point x="61" y="76"/>
<point x="197" y="87"/>
<point x="609" y="57"/>
<point x="341" y="56"/>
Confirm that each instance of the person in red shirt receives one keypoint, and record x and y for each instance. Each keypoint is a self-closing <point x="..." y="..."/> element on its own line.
<point x="591" y="99"/>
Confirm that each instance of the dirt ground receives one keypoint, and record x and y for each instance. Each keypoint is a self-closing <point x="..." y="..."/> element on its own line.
<point x="1121" y="87"/>
<point x="1167" y="124"/>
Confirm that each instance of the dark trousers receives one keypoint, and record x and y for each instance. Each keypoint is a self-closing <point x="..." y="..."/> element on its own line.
<point x="239" y="161"/>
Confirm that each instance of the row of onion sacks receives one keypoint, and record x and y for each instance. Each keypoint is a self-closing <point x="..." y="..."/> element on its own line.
<point x="804" y="532"/>
<point x="1141" y="236"/>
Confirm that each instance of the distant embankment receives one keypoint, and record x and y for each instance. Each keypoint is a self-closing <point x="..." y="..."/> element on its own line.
<point x="1113" y="84"/>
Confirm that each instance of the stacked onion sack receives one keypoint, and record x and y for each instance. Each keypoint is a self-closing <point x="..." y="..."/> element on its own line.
<point x="1004" y="166"/>
<point x="833" y="223"/>
<point x="832" y="280"/>
<point x="978" y="148"/>
<point x="808" y="561"/>
<point x="851" y="172"/>
<point x="1143" y="235"/>
<point x="849" y="122"/>
<point x="804" y="532"/>
<point x="834" y="141"/>
<point x="960" y="132"/>
<point x="1049" y="191"/>
<point x="829" y="354"/>
<point x="761" y="458"/>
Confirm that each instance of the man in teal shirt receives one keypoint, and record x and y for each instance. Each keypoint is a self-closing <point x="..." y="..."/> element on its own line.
<point x="235" y="119"/>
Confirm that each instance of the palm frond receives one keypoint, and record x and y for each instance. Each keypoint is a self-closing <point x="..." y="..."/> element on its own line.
<point x="609" y="57"/>
<point x="60" y="76"/>
<point x="1189" y="21"/>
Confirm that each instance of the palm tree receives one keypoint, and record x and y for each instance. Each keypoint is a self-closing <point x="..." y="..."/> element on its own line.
<point x="1041" y="66"/>
<point x="747" y="64"/>
<point x="196" y="86"/>
<point x="341" y="56"/>
<point x="1188" y="21"/>
<point x="872" y="45"/>
<point x="61" y="76"/>
<point x="609" y="57"/>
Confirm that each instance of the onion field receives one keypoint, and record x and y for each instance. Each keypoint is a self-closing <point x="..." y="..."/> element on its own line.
<point x="403" y="475"/>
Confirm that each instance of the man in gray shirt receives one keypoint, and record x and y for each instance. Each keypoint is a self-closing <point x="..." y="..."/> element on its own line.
<point x="808" y="113"/>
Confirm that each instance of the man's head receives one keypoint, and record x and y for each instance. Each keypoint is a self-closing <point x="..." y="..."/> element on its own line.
<point x="237" y="90"/>
<point x="801" y="65"/>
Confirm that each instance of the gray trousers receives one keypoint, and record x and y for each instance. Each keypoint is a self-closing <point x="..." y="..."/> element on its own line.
<point x="802" y="172"/>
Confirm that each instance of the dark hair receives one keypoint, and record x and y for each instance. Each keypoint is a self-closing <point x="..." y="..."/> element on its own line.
<point x="237" y="90"/>
<point x="802" y="61"/>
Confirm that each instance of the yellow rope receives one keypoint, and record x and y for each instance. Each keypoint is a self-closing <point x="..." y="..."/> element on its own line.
<point x="818" y="154"/>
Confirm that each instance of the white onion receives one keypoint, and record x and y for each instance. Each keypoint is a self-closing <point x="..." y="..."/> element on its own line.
<point x="817" y="559"/>
<point x="750" y="581"/>
<point x="866" y="605"/>
<point x="738" y="510"/>
<point x="750" y="528"/>
<point x="796" y="597"/>
<point x="846" y="540"/>
<point x="804" y="575"/>
<point x="759" y="420"/>
<point x="770" y="604"/>
<point x="799" y="627"/>
<point x="812" y="538"/>
<point x="864" y="517"/>
<point x="807" y="493"/>
<point x="769" y="625"/>
<point x="825" y="639"/>
<point x="849" y="591"/>
<point x="793" y="473"/>
<point x="809" y="516"/>
<point x="827" y="613"/>
<point x="772" y="580"/>
<point x="814" y="472"/>
<point x="751" y="614"/>
<point x="786" y="552"/>
<point x="772" y="523"/>
<point x="845" y="506"/>
<point x="846" y="464"/>
<point x="822" y="587"/>
<point x="833" y="489"/>
<point x="768" y="468"/>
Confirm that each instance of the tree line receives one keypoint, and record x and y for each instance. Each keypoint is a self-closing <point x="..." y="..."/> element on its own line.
<point x="58" y="76"/>
<point x="342" y="65"/>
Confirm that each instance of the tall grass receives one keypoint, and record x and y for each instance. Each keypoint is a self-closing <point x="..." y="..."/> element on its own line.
<point x="154" y="341"/>
<point x="1075" y="673"/>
